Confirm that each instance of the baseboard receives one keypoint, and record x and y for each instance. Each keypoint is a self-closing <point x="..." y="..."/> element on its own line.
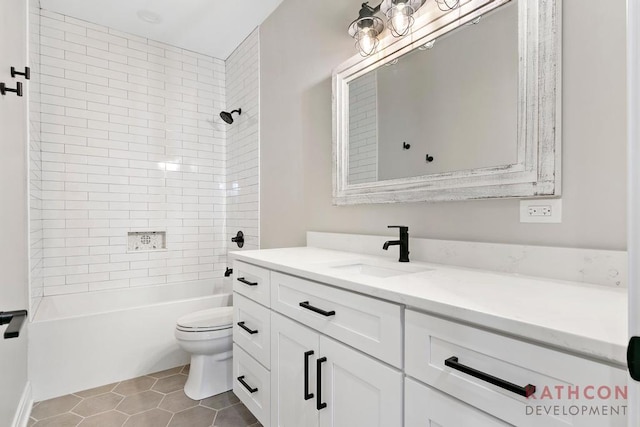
<point x="23" y="412"/>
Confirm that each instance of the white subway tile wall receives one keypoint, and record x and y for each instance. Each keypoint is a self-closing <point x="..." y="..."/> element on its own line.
<point x="131" y="141"/>
<point x="243" y="143"/>
<point x="363" y="129"/>
<point x="36" y="281"/>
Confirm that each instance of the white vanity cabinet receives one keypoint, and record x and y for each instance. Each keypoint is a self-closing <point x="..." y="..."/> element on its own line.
<point x="308" y="354"/>
<point x="251" y="338"/>
<point x="326" y="356"/>
<point x="317" y="381"/>
<point x="522" y="384"/>
<point x="425" y="406"/>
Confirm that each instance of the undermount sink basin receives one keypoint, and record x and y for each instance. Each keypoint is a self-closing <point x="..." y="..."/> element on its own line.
<point x="377" y="271"/>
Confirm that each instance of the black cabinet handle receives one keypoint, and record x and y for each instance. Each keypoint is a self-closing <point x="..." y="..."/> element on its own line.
<point x="246" y="282"/>
<point x="307" y="395"/>
<point x="305" y="304"/>
<point x="525" y="391"/>
<point x="247" y="386"/>
<point x="251" y="331"/>
<point x="319" y="403"/>
<point x="15" y="319"/>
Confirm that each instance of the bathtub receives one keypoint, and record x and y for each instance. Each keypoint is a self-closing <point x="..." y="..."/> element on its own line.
<point x="86" y="340"/>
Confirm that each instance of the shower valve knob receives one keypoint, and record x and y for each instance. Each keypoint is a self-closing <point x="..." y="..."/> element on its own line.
<point x="239" y="239"/>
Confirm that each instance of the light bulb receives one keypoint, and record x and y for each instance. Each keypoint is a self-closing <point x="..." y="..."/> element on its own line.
<point x="400" y="22"/>
<point x="365" y="31"/>
<point x="367" y="41"/>
<point x="400" y="19"/>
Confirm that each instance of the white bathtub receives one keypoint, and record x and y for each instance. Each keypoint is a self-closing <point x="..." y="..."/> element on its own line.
<point x="86" y="340"/>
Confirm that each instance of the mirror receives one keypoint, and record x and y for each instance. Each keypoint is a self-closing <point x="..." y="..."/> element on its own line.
<point x="444" y="107"/>
<point x="466" y="108"/>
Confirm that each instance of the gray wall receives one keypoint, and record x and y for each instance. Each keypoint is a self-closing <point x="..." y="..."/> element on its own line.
<point x="303" y="40"/>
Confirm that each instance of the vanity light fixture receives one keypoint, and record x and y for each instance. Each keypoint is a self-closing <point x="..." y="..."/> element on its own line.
<point x="475" y="21"/>
<point x="445" y="5"/>
<point x="428" y="45"/>
<point x="399" y="15"/>
<point x="367" y="28"/>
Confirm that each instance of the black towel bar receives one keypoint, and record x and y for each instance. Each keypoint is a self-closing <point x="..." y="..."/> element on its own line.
<point x="15" y="319"/>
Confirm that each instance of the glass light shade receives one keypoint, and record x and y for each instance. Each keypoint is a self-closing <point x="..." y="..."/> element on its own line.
<point x="366" y="35"/>
<point x="400" y="19"/>
<point x="446" y="5"/>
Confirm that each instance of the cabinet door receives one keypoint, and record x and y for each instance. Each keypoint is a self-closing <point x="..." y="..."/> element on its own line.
<point x="359" y="391"/>
<point x="426" y="407"/>
<point x="294" y="350"/>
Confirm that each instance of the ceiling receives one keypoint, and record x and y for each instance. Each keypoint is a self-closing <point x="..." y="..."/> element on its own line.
<point x="211" y="27"/>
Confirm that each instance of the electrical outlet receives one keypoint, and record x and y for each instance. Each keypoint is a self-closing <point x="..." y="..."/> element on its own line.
<point x="541" y="211"/>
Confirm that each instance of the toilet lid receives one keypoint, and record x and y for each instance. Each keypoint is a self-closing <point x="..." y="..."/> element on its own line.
<point x="213" y="318"/>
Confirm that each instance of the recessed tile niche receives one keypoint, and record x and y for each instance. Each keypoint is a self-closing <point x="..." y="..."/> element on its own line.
<point x="147" y="240"/>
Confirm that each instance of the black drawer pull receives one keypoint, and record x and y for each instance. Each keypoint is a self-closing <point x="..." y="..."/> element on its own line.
<point x="247" y="386"/>
<point x="246" y="282"/>
<point x="251" y="331"/>
<point x="525" y="391"/>
<point x="307" y="395"/>
<point x="319" y="403"/>
<point x="305" y="304"/>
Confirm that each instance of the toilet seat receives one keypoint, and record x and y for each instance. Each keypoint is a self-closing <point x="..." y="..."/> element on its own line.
<point x="213" y="319"/>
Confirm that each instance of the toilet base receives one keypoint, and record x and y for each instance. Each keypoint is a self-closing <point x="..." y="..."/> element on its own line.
<point x="209" y="375"/>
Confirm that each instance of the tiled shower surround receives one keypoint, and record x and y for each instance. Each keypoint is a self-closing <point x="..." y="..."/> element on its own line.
<point x="243" y="142"/>
<point x="131" y="140"/>
<point x="35" y="161"/>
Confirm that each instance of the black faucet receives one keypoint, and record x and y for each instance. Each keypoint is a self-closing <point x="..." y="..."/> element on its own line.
<point x="403" y="242"/>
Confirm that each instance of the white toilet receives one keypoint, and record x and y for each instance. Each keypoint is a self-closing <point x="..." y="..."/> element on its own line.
<point x="207" y="336"/>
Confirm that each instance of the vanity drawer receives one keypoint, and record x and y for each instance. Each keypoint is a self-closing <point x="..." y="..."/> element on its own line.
<point x="424" y="406"/>
<point x="494" y="360"/>
<point x="252" y="282"/>
<point x="368" y="324"/>
<point x="252" y="328"/>
<point x="251" y="383"/>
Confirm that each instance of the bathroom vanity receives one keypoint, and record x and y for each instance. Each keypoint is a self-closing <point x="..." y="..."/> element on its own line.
<point x="331" y="338"/>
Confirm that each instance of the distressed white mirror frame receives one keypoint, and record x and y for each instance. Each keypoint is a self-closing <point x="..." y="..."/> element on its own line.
<point x="536" y="172"/>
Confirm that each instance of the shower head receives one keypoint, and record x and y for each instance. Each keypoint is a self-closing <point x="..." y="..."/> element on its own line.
<point x="227" y="117"/>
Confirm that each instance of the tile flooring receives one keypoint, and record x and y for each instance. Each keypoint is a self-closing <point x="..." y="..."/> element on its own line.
<point x="155" y="400"/>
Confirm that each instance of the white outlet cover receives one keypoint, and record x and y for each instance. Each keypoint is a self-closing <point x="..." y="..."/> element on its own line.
<point x="528" y="207"/>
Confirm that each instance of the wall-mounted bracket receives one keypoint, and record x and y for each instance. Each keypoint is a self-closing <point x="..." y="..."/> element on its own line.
<point x="15" y="319"/>
<point x="26" y="73"/>
<point x="4" y="89"/>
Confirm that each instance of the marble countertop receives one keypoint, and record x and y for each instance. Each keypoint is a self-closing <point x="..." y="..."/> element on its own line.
<point x="585" y="319"/>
